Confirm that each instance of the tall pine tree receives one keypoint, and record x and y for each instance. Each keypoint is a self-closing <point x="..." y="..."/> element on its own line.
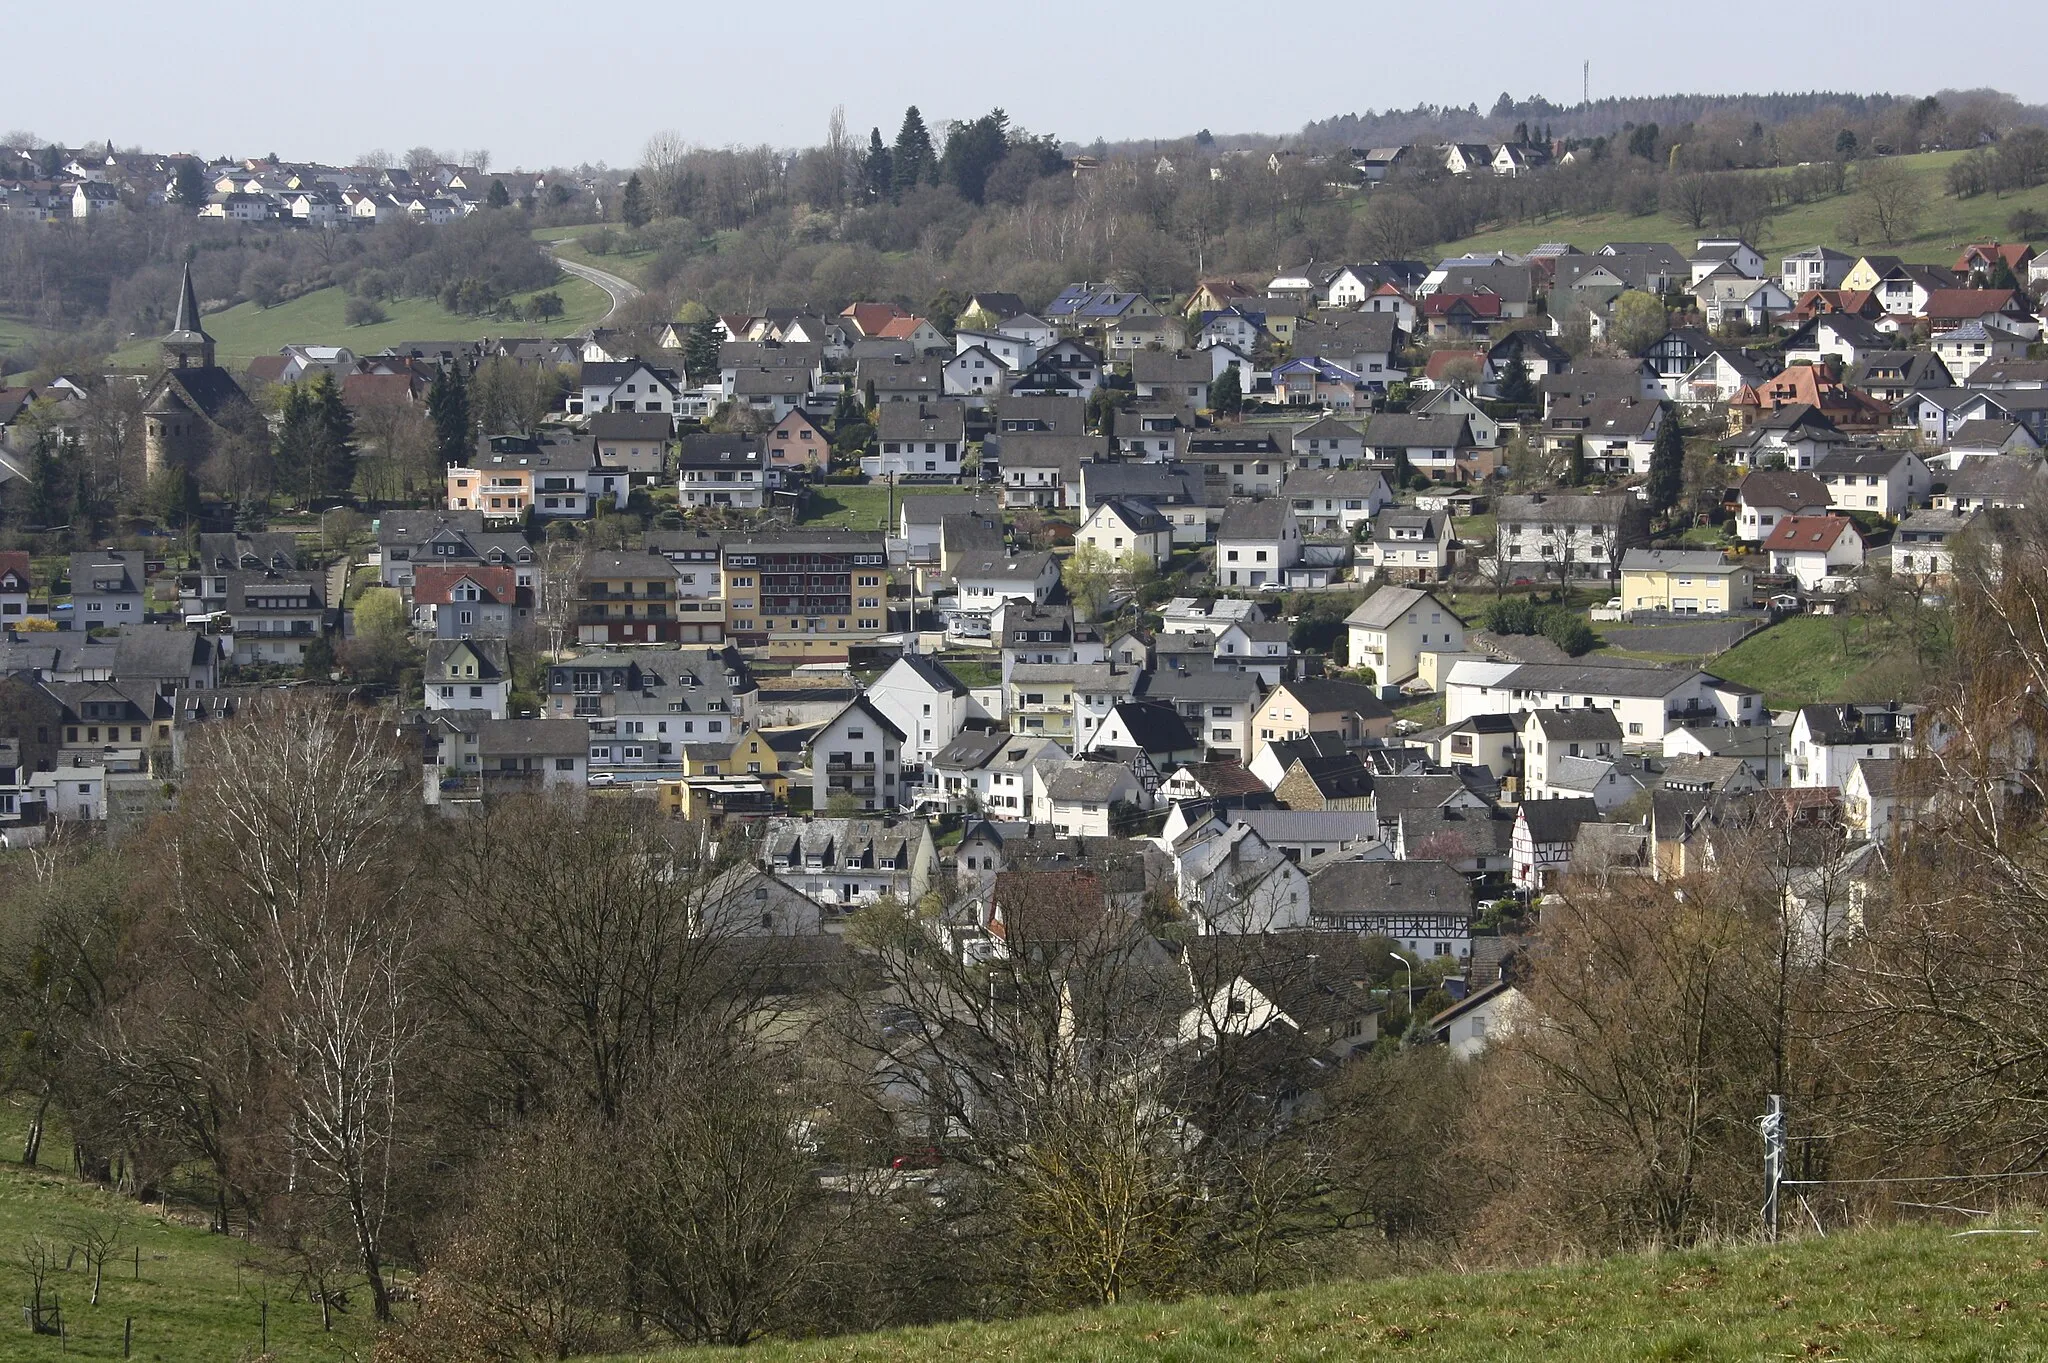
<point x="878" y="178"/>
<point x="448" y="410"/>
<point x="913" y="160"/>
<point x="338" y="427"/>
<point x="700" y="352"/>
<point x="633" y="204"/>
<point x="1667" y="466"/>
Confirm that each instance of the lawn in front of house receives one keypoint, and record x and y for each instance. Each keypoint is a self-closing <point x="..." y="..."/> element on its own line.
<point x="863" y="506"/>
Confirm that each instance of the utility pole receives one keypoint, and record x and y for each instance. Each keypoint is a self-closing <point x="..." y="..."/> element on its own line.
<point x="1773" y="1127"/>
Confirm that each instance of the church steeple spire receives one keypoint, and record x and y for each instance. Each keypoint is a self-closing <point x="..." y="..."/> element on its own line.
<point x="187" y="346"/>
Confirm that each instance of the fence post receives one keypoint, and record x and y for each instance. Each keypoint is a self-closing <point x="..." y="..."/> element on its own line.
<point x="127" y="1336"/>
<point x="1774" y="1162"/>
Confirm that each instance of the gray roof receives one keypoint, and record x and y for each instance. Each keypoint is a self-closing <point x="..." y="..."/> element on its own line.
<point x="1418" y="430"/>
<point x="1587" y="679"/>
<point x="1346" y="483"/>
<point x="1387" y="605"/>
<point x="533" y="738"/>
<point x="1575" y="508"/>
<point x="1088" y="782"/>
<point x="1581" y="723"/>
<point x="945" y="419"/>
<point x="1205" y="685"/>
<point x="1254" y="518"/>
<point x="1705" y="561"/>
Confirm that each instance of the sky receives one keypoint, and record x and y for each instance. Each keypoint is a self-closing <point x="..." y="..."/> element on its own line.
<point x="554" y="83"/>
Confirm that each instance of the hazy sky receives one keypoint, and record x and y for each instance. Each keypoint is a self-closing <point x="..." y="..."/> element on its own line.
<point x="560" y="83"/>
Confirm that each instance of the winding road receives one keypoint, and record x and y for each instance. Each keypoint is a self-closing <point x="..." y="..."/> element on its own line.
<point x="618" y="289"/>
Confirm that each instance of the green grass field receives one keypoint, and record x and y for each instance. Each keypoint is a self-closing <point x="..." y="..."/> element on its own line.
<point x="1809" y="658"/>
<point x="199" y="1298"/>
<point x="1882" y="1297"/>
<point x="1946" y="225"/>
<point x="245" y="331"/>
<point x="857" y="506"/>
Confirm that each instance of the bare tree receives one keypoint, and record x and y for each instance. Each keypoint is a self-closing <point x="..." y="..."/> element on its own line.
<point x="1890" y="201"/>
<point x="286" y="890"/>
<point x="97" y="1238"/>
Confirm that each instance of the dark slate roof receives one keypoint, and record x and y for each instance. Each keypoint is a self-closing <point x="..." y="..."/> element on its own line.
<point x="1336" y="778"/>
<point x="1254" y="518"/>
<point x="212" y="392"/>
<point x="1388" y="887"/>
<point x="1155" y="727"/>
<point x="1319" y="695"/>
<point x="934" y="674"/>
<point x="1555" y="821"/>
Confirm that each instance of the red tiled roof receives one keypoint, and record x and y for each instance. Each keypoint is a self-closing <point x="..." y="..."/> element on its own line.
<point x="1808" y="534"/>
<point x="1480" y="304"/>
<point x="2014" y="253"/>
<point x="1966" y="304"/>
<point x="266" y="369"/>
<point x="869" y="318"/>
<point x="432" y="583"/>
<point x="1441" y="361"/>
<point x="899" y="328"/>
<point x="371" y="390"/>
<point x="15" y="561"/>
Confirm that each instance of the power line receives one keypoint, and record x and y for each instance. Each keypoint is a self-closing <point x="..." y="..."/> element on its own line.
<point x="1913" y="1178"/>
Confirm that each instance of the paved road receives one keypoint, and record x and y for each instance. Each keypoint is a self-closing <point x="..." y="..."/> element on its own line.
<point x="619" y="289"/>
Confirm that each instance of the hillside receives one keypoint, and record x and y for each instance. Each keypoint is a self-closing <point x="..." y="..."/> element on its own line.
<point x="1947" y="224"/>
<point x="199" y="1298"/>
<point x="245" y="331"/>
<point x="1919" y="1294"/>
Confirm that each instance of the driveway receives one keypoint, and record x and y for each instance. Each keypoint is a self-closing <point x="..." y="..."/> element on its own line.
<point x="619" y="289"/>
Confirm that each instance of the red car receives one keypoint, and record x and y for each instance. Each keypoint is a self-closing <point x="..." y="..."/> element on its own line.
<point x="928" y="1157"/>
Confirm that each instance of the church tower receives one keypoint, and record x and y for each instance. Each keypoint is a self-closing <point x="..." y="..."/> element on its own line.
<point x="194" y="400"/>
<point x="187" y="346"/>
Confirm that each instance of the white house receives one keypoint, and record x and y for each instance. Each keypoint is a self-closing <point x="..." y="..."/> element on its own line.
<point x="1412" y="545"/>
<point x="624" y="386"/>
<point x="1823" y="552"/>
<point x="1336" y="501"/>
<point x="1230" y="880"/>
<point x="976" y="375"/>
<point x="1767" y="496"/>
<point x="1390" y="629"/>
<point x="1469" y="1024"/>
<point x="928" y="705"/>
<point x="1885" y="482"/>
<point x="1648" y="702"/>
<point x="468" y="674"/>
<point x="986" y="581"/>
<point x="1827" y="741"/>
<point x="1258" y="541"/>
<point x="857" y="755"/>
<point x="1076" y="797"/>
<point x="1540" y="850"/>
<point x="842" y="864"/>
<point x="1123" y="526"/>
